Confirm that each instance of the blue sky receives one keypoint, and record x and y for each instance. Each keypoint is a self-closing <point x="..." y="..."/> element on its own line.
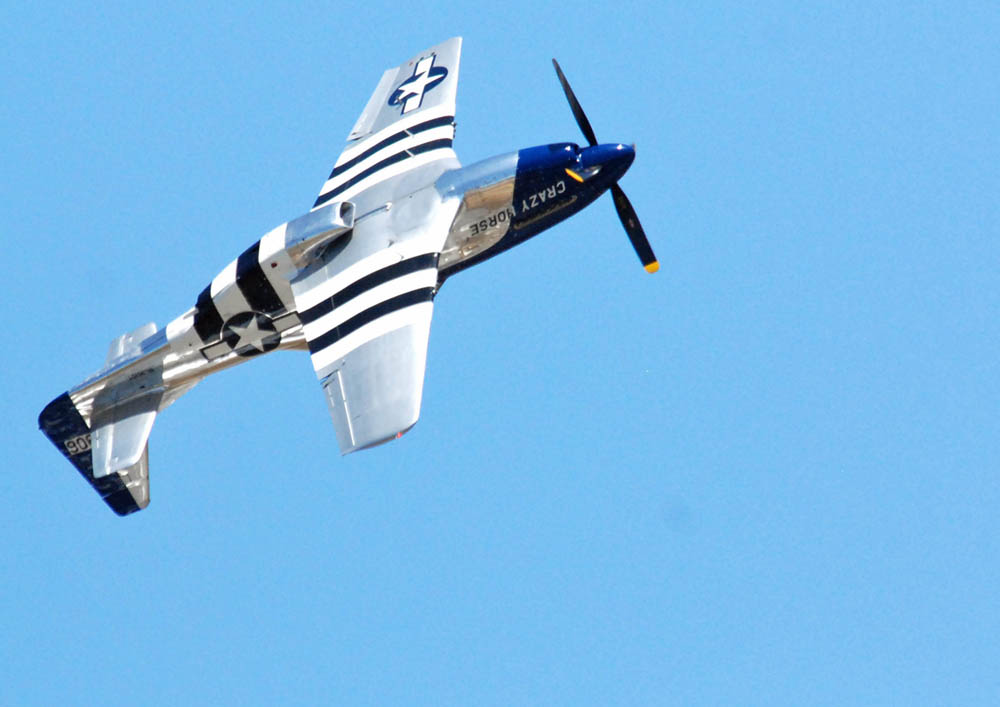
<point x="765" y="475"/>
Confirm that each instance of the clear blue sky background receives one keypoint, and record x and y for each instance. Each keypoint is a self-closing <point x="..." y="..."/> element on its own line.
<point x="767" y="474"/>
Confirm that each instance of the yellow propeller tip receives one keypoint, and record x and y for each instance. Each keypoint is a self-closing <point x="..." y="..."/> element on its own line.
<point x="653" y="266"/>
<point x="574" y="175"/>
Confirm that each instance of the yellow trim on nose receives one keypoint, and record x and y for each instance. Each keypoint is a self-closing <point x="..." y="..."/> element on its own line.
<point x="574" y="175"/>
<point x="653" y="266"/>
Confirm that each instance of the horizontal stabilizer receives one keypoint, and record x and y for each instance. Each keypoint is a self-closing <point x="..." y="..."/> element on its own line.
<point x="120" y="444"/>
<point x="103" y="427"/>
<point x="122" y="420"/>
<point x="126" y="491"/>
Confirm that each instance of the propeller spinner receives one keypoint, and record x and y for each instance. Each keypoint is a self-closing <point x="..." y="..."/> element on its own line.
<point x="626" y="213"/>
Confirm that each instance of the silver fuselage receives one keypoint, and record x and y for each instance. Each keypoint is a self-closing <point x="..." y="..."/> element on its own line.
<point x="249" y="309"/>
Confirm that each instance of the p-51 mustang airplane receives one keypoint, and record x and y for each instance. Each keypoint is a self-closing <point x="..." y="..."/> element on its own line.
<point x="353" y="281"/>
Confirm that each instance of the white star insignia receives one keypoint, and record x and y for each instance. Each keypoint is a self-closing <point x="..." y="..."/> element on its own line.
<point x="251" y="334"/>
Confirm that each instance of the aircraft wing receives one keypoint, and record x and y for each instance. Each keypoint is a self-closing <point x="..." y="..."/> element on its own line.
<point x="366" y="304"/>
<point x="366" y="313"/>
<point x="409" y="121"/>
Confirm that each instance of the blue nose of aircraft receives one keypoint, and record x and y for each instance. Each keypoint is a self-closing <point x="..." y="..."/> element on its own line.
<point x="613" y="160"/>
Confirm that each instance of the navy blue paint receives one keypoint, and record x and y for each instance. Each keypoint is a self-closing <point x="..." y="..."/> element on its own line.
<point x="436" y="74"/>
<point x="542" y="167"/>
<point x="538" y="168"/>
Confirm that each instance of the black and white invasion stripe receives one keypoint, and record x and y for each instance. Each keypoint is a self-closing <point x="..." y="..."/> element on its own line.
<point x="252" y="282"/>
<point x="405" y="144"/>
<point x="377" y="295"/>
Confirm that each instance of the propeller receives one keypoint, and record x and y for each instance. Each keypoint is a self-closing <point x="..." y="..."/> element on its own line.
<point x="626" y="213"/>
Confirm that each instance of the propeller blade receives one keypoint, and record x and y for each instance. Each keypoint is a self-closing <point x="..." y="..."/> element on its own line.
<point x="634" y="229"/>
<point x="626" y="213"/>
<point x="581" y="118"/>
